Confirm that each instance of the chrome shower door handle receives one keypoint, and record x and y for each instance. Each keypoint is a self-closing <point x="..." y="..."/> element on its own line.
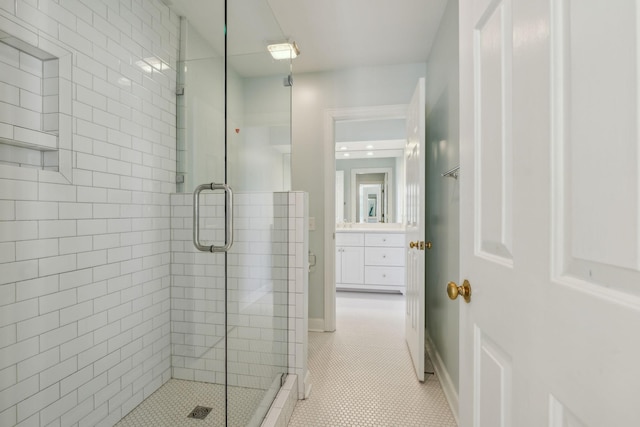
<point x="228" y="217"/>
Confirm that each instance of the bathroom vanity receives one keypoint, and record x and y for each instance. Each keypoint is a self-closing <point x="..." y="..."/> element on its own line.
<point x="370" y="259"/>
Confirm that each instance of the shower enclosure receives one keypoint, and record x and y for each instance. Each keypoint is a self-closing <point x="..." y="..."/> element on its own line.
<point x="229" y="296"/>
<point x="111" y="114"/>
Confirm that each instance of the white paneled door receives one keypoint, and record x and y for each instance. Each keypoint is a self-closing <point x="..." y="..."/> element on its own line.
<point x="550" y="217"/>
<point x="415" y="228"/>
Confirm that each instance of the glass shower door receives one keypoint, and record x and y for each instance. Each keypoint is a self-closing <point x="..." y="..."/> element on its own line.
<point x="257" y="278"/>
<point x="258" y="170"/>
<point x="198" y="317"/>
<point x="229" y="313"/>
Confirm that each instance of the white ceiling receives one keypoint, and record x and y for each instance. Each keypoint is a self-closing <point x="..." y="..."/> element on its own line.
<point x="336" y="34"/>
<point x="331" y="34"/>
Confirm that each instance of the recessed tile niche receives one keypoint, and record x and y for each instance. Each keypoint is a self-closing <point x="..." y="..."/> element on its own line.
<point x="35" y="103"/>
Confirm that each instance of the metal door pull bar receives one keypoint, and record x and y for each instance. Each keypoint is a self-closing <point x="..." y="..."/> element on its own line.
<point x="228" y="218"/>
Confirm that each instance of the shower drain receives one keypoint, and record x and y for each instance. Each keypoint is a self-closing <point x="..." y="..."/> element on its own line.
<point x="199" y="412"/>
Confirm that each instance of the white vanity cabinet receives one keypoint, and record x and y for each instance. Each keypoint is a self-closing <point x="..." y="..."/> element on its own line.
<point x="370" y="260"/>
<point x="349" y="259"/>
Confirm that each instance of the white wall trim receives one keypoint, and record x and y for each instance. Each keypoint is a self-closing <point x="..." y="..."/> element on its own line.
<point x="382" y="112"/>
<point x="448" y="387"/>
<point x="316" y="325"/>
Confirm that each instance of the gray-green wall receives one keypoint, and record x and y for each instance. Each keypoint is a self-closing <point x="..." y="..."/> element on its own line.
<point x="443" y="202"/>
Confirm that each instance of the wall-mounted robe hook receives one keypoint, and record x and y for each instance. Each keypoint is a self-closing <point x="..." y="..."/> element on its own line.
<point x="452" y="173"/>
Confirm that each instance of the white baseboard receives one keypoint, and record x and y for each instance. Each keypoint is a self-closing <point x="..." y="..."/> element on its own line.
<point x="316" y="325"/>
<point x="449" y="389"/>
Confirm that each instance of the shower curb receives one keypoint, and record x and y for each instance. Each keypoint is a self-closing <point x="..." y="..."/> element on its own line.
<point x="282" y="407"/>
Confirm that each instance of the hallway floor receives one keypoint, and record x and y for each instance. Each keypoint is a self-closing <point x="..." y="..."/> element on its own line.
<point x="362" y="374"/>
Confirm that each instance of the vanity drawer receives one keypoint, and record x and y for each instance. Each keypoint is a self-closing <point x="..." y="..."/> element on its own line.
<point x="349" y="239"/>
<point x="385" y="239"/>
<point x="384" y="276"/>
<point x="384" y="256"/>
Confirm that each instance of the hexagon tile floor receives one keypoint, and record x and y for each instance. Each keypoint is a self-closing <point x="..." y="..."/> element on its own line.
<point x="170" y="405"/>
<point x="362" y="374"/>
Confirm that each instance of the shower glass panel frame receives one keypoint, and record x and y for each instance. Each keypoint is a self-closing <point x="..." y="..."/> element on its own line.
<point x="230" y="309"/>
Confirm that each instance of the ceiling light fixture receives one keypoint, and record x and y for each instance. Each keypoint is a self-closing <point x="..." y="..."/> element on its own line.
<point x="347" y="154"/>
<point x="369" y="147"/>
<point x="288" y="50"/>
<point x="370" y="153"/>
<point x="343" y="148"/>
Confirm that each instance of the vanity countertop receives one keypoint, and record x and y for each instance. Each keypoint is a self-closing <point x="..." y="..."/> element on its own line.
<point x="369" y="228"/>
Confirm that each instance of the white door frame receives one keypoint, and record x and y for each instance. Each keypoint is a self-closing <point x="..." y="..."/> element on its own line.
<point x="339" y="191"/>
<point x="331" y="116"/>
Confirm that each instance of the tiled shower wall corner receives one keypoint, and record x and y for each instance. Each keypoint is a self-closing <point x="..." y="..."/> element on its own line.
<point x="267" y="257"/>
<point x="299" y="288"/>
<point x="85" y="266"/>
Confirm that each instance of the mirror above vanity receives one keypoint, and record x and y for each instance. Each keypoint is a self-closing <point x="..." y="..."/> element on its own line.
<point x="370" y="200"/>
<point x="369" y="172"/>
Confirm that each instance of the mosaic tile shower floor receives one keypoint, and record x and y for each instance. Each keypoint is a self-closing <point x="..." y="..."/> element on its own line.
<point x="170" y="405"/>
<point x="362" y="374"/>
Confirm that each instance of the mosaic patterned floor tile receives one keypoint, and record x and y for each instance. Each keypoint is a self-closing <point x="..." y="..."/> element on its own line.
<point x="171" y="404"/>
<point x="362" y="374"/>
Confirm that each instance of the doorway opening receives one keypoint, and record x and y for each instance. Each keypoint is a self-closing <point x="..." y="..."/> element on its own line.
<point x="349" y="145"/>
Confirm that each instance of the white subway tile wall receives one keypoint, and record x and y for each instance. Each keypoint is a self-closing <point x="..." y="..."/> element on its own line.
<point x="85" y="267"/>
<point x="258" y="278"/>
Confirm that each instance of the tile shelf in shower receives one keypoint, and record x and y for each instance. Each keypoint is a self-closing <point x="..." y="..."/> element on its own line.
<point x="28" y="138"/>
<point x="32" y="93"/>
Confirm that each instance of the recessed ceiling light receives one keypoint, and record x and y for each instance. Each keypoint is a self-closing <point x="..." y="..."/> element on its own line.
<point x="370" y="153"/>
<point x="369" y="147"/>
<point x="343" y="148"/>
<point x="347" y="154"/>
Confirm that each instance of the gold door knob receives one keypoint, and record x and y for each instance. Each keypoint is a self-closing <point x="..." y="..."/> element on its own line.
<point x="453" y="290"/>
<point x="417" y="244"/>
<point x="429" y="245"/>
